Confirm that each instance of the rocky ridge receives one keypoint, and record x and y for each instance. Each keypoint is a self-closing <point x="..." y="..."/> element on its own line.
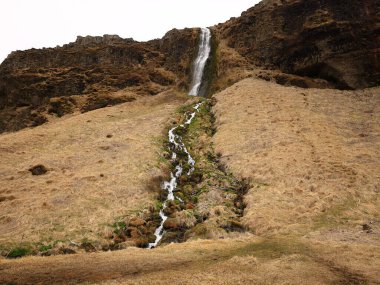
<point x="337" y="41"/>
<point x="84" y="75"/>
<point x="310" y="44"/>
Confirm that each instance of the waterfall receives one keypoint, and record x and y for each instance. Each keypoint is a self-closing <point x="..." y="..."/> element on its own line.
<point x="200" y="62"/>
<point x="175" y="140"/>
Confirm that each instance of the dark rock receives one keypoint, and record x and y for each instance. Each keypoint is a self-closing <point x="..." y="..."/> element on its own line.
<point x="88" y="247"/>
<point x="336" y="40"/>
<point x="38" y="170"/>
<point x="367" y="228"/>
<point x="66" y="250"/>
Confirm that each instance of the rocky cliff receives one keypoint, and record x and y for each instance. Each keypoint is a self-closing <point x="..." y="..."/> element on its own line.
<point x="308" y="43"/>
<point x="85" y="74"/>
<point x="335" y="40"/>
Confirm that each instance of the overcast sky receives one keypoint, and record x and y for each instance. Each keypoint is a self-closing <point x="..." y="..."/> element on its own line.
<point x="47" y="23"/>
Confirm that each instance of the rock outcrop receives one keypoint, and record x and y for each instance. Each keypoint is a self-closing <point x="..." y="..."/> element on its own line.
<point x="36" y="82"/>
<point x="307" y="43"/>
<point x="335" y="40"/>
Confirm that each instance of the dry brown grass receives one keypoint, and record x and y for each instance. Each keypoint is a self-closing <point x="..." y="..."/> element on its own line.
<point x="312" y="157"/>
<point x="99" y="166"/>
<point x="245" y="260"/>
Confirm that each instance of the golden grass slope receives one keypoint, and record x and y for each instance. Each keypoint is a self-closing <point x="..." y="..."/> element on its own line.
<point x="99" y="163"/>
<point x="275" y="137"/>
<point x="313" y="160"/>
<point x="237" y="261"/>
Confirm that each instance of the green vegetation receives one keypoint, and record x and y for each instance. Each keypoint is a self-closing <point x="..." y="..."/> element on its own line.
<point x="19" y="252"/>
<point x="118" y="227"/>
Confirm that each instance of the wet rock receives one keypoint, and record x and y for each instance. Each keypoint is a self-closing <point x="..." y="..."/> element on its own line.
<point x="38" y="169"/>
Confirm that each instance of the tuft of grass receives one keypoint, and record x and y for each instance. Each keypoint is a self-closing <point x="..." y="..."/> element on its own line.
<point x="118" y="227"/>
<point x="19" y="252"/>
<point x="44" y="248"/>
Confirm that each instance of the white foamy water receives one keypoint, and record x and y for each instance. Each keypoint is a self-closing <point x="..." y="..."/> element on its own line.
<point x="171" y="185"/>
<point x="176" y="141"/>
<point x="200" y="62"/>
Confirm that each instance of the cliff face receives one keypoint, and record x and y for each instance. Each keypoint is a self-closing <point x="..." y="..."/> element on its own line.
<point x="308" y="43"/>
<point x="45" y="80"/>
<point x="336" y="40"/>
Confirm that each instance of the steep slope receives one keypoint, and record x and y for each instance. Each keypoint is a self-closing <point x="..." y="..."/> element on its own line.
<point x="338" y="41"/>
<point x="312" y="160"/>
<point x="39" y="83"/>
<point x="101" y="166"/>
<point x="311" y="228"/>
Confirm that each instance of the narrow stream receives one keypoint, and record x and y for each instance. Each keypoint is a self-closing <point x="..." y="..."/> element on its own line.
<point x="175" y="140"/>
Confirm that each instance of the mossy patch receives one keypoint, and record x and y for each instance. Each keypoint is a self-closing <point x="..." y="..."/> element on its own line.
<point x="335" y="216"/>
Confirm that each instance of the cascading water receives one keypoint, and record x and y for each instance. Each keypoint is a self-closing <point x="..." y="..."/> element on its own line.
<point x="176" y="144"/>
<point x="200" y="62"/>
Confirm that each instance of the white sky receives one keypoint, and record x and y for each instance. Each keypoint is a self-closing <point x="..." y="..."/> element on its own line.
<point x="47" y="23"/>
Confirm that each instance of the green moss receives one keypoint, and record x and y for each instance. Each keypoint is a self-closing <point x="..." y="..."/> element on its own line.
<point x="118" y="227"/>
<point x="44" y="248"/>
<point x="19" y="252"/>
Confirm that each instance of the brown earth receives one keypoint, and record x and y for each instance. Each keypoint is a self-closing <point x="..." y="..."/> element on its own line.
<point x="99" y="169"/>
